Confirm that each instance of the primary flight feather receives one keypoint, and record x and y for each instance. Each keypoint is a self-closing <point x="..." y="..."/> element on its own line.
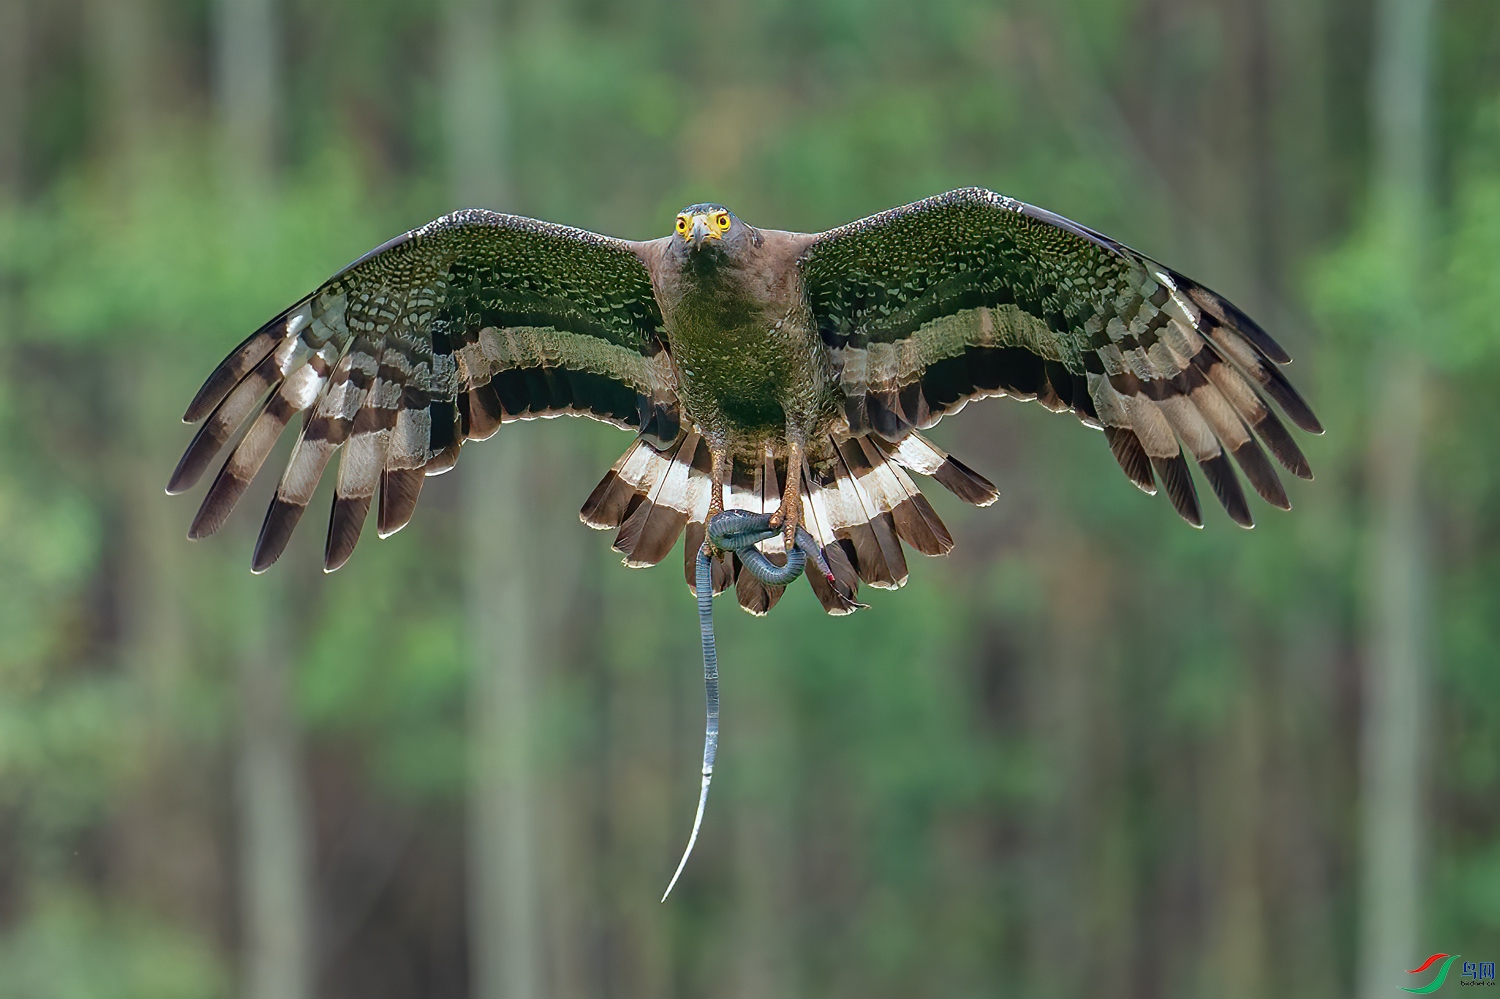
<point x="776" y="372"/>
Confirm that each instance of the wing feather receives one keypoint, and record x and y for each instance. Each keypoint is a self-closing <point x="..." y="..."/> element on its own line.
<point x="439" y="336"/>
<point x="971" y="295"/>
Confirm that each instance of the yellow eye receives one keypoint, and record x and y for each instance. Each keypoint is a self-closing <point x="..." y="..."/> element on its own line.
<point x="722" y="220"/>
<point x="682" y="225"/>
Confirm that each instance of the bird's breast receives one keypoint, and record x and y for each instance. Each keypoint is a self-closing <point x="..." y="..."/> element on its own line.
<point x="746" y="367"/>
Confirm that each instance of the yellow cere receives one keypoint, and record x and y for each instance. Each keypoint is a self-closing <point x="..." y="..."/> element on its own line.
<point x="717" y="224"/>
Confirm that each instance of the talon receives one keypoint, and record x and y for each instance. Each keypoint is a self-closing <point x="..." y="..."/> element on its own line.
<point x="789" y="513"/>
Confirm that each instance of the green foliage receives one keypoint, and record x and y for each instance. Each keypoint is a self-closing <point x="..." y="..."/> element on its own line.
<point x="1375" y="289"/>
<point x="1025" y="772"/>
<point x="388" y="668"/>
<point x="1471" y="279"/>
<point x="70" y="948"/>
<point x="167" y="257"/>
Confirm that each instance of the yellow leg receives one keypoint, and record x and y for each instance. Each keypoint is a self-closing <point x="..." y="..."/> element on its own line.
<point x="789" y="516"/>
<point x="719" y="471"/>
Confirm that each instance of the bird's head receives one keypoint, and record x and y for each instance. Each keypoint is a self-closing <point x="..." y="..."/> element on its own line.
<point x="707" y="225"/>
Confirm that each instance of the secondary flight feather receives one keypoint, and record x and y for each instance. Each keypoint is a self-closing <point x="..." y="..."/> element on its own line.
<point x="782" y="373"/>
<point x="777" y="384"/>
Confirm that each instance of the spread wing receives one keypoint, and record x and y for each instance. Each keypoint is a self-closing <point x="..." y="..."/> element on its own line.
<point x="970" y="294"/>
<point x="435" y="338"/>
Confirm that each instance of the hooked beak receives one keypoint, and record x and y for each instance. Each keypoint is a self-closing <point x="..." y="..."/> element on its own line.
<point x="701" y="232"/>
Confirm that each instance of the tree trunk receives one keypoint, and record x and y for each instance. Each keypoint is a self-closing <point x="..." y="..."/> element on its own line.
<point x="502" y="629"/>
<point x="164" y="855"/>
<point x="272" y="810"/>
<point x="127" y="60"/>
<point x="247" y="78"/>
<point x="274" y="848"/>
<point x="12" y="136"/>
<point x="502" y="800"/>
<point x="765" y="962"/>
<point x="12" y="97"/>
<point x="1395" y="689"/>
<point x="1071" y="686"/>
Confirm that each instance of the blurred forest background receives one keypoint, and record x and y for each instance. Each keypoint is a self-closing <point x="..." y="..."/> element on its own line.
<point x="1093" y="752"/>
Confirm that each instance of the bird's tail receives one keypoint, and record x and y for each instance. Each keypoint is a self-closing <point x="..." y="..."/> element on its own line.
<point x="858" y="503"/>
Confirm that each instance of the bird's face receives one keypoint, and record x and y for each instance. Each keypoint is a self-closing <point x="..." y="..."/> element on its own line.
<point x="701" y="226"/>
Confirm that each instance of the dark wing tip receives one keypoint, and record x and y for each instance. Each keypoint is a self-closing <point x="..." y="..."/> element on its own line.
<point x="1263" y="478"/>
<point x="275" y="532"/>
<point x="1131" y="457"/>
<point x="1226" y="486"/>
<point x="199" y="454"/>
<point x="399" y="490"/>
<point x="1234" y="317"/>
<point x="1231" y="317"/>
<point x="1281" y="444"/>
<point x="209" y="519"/>
<point x="1292" y="403"/>
<point x="345" y="524"/>
<point x="241" y="361"/>
<point x="1178" y="482"/>
<point x="217" y="504"/>
<point x="965" y="483"/>
<point x="183" y="477"/>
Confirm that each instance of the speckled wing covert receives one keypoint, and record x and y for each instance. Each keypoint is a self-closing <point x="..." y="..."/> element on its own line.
<point x="970" y="294"/>
<point x="434" y="338"/>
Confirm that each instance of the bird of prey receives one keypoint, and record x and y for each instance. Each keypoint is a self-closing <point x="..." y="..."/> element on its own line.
<point x="777" y="383"/>
<point x="786" y="374"/>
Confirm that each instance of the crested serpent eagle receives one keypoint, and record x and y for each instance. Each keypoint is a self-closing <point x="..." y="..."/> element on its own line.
<point x="781" y="373"/>
<point x="777" y="383"/>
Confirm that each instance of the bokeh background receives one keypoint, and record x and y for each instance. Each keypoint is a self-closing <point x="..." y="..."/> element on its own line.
<point x="1092" y="752"/>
